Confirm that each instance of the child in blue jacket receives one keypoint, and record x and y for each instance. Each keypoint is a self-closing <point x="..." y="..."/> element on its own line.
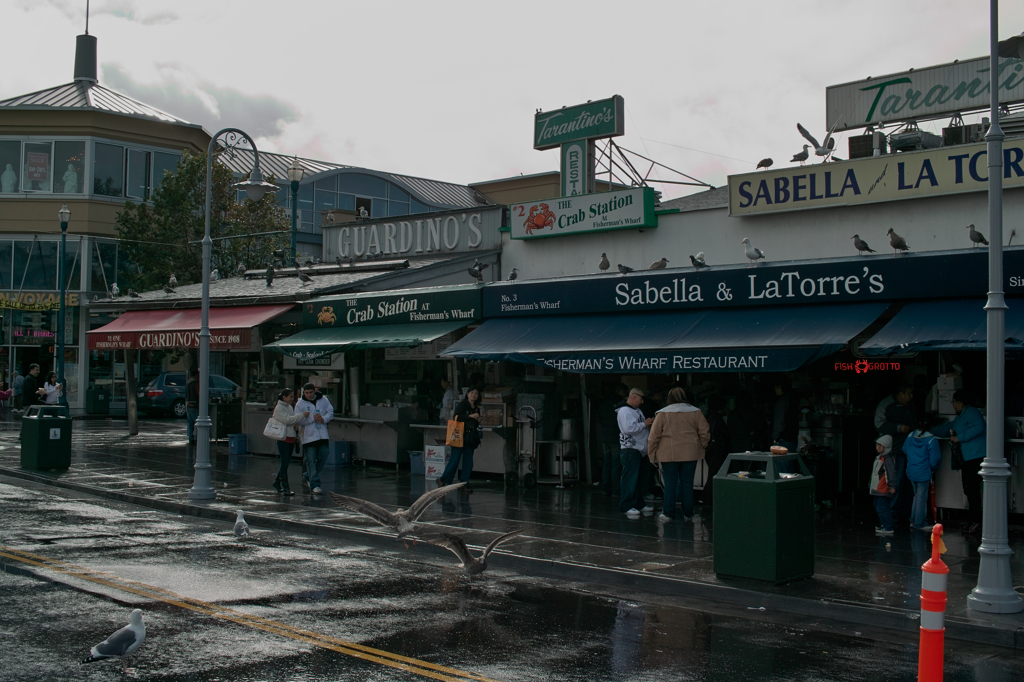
<point x="923" y="456"/>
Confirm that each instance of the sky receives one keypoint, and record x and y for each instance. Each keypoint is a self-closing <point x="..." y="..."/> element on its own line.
<point x="447" y="90"/>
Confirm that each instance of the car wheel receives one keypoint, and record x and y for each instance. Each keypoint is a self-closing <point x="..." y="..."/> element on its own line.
<point x="178" y="408"/>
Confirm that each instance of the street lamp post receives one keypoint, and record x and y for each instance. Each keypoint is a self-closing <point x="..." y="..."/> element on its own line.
<point x="295" y="173"/>
<point x="994" y="592"/>
<point x="65" y="216"/>
<point x="255" y="188"/>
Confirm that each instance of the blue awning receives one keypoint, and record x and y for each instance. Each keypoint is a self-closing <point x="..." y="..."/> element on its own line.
<point x="729" y="340"/>
<point x="945" y="325"/>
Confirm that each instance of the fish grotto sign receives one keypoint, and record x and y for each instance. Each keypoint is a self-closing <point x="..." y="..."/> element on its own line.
<point x="892" y="177"/>
<point x="622" y="210"/>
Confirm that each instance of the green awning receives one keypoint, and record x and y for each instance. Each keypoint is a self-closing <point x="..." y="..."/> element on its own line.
<point x="315" y="343"/>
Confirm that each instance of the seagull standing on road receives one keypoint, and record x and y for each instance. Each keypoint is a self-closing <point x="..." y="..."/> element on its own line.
<point x="471" y="564"/>
<point x="604" y="264"/>
<point x="241" y="527"/>
<point x="122" y="643"/>
<point x="623" y="268"/>
<point x="861" y="245"/>
<point x="976" y="237"/>
<point x="698" y="261"/>
<point x="658" y="264"/>
<point x="800" y="156"/>
<point x="753" y="253"/>
<point x="897" y="242"/>
<point x="403" y="520"/>
<point x="764" y="163"/>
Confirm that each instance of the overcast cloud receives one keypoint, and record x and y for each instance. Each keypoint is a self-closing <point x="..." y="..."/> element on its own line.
<point x="448" y="90"/>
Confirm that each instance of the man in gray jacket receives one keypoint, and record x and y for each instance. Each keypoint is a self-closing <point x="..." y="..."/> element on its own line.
<point x="633" y="432"/>
<point x="315" y="441"/>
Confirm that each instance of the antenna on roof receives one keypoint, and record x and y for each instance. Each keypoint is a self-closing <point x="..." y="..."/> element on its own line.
<point x="86" y="17"/>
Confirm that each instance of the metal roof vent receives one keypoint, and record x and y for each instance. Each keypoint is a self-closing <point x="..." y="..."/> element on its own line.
<point x="85" y="58"/>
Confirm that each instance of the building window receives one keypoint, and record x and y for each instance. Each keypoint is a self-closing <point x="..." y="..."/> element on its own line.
<point x="367" y="185"/>
<point x="72" y="265"/>
<point x="418" y="206"/>
<point x="10" y="166"/>
<point x="163" y="163"/>
<point x="363" y="202"/>
<point x="69" y="167"/>
<point x="108" y="170"/>
<point x="6" y="247"/>
<point x="37" y="175"/>
<point x="138" y="174"/>
<point x="35" y="265"/>
<point x="397" y="208"/>
<point x="103" y="275"/>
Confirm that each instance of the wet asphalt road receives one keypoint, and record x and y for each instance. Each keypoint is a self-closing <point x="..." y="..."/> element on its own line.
<point x="286" y="607"/>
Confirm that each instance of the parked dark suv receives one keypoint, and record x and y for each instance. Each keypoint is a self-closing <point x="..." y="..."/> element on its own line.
<point x="166" y="393"/>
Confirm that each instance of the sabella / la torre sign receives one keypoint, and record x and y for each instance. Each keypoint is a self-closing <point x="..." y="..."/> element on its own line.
<point x="922" y="93"/>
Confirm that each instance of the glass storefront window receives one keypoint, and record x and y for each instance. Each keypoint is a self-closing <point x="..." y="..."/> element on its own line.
<point x="34" y="327"/>
<point x="418" y="206"/>
<point x="108" y="170"/>
<point x="138" y="174"/>
<point x="37" y="173"/>
<point x="104" y="265"/>
<point x="72" y="265"/>
<point x="380" y="209"/>
<point x="6" y="249"/>
<point x="324" y="200"/>
<point x="69" y="167"/>
<point x="163" y="163"/>
<point x="10" y="166"/>
<point x="35" y="265"/>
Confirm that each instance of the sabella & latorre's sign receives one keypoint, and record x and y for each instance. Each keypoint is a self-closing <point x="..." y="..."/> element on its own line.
<point x="601" y="118"/>
<point x="922" y="93"/>
<point x="622" y="210"/>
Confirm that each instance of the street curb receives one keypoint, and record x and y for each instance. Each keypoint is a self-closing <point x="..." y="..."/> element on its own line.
<point x="891" y="619"/>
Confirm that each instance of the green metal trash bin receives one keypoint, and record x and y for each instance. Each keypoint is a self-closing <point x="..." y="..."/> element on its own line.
<point x="46" y="438"/>
<point x="764" y="518"/>
<point x="97" y="401"/>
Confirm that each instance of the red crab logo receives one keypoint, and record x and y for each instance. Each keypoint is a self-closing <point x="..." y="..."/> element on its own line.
<point x="540" y="217"/>
<point x="861" y="366"/>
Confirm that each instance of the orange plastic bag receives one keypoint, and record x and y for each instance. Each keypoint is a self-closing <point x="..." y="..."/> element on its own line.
<point x="456" y="433"/>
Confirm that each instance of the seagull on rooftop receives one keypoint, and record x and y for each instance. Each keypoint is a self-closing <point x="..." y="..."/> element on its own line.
<point x="698" y="261"/>
<point x="241" y="527"/>
<point x="624" y="269"/>
<point x="168" y="290"/>
<point x="976" y="237"/>
<point x="514" y="275"/>
<point x="173" y="281"/>
<point x="404" y="520"/>
<point x="801" y="156"/>
<point x="764" y="163"/>
<point x="215" y="275"/>
<point x="114" y="291"/>
<point x="122" y="643"/>
<point x="471" y="564"/>
<point x="827" y="146"/>
<point x="270" y="275"/>
<point x="132" y="294"/>
<point x="897" y="242"/>
<point x="753" y="253"/>
<point x="604" y="264"/>
<point x="861" y="245"/>
<point x="304" y="278"/>
<point x="240" y="269"/>
<point x="658" y="264"/>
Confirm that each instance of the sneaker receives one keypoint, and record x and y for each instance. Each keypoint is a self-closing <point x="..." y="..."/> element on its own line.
<point x="687" y="518"/>
<point x="882" y="531"/>
<point x="663" y="518"/>
<point x="288" y="492"/>
<point x="633" y="513"/>
<point x="649" y="508"/>
<point x="317" y="490"/>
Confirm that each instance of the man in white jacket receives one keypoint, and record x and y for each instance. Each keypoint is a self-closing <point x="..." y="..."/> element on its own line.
<point x="315" y="441"/>
<point x="633" y="431"/>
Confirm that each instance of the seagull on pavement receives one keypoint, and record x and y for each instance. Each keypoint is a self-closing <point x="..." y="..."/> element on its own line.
<point x="122" y="643"/>
<point x="861" y="245"/>
<point x="604" y="264"/>
<point x="753" y="253"/>
<point x="306" y="279"/>
<point x="471" y="564"/>
<point x="514" y="275"/>
<point x="698" y="261"/>
<point x="658" y="264"/>
<point x="241" y="527"/>
<point x="827" y="146"/>
<point x="270" y="275"/>
<point x="976" y="237"/>
<point x="624" y="269"/>
<point x="764" y="163"/>
<point x="800" y="156"/>
<point x="897" y="242"/>
<point x="403" y="520"/>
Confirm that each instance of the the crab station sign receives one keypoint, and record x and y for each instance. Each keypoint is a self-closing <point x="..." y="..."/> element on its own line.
<point x="623" y="210"/>
<point x="436" y="304"/>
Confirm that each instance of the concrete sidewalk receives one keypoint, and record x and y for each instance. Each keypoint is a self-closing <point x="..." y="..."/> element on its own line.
<point x="575" y="533"/>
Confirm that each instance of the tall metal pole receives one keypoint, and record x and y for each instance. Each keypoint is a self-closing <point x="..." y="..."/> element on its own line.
<point x="295" y="219"/>
<point x="994" y="592"/>
<point x="64" y="214"/>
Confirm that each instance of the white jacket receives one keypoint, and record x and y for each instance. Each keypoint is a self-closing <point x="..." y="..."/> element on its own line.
<point x="632" y="430"/>
<point x="285" y="414"/>
<point x="312" y="429"/>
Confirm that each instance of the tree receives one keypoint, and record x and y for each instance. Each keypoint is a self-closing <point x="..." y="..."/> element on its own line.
<point x="163" y="239"/>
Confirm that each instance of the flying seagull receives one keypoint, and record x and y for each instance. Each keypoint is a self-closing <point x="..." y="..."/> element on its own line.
<point x="470" y="564"/>
<point x="403" y="520"/>
<point x="828" y="144"/>
<point x="122" y="643"/>
<point x="114" y="291"/>
<point x="897" y="242"/>
<point x="604" y="264"/>
<point x="800" y="156"/>
<point x="861" y="245"/>
<point x="698" y="261"/>
<point x="270" y="275"/>
<point x="753" y="253"/>
<point x="304" y="278"/>
<point x="976" y="237"/>
<point x="764" y="163"/>
<point x="623" y="268"/>
<point x="658" y="264"/>
<point x="241" y="527"/>
<point x="168" y="290"/>
<point x="173" y="281"/>
<point x="514" y="275"/>
<point x="476" y="271"/>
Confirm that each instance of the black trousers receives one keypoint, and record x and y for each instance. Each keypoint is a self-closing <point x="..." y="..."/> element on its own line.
<point x="970" y="476"/>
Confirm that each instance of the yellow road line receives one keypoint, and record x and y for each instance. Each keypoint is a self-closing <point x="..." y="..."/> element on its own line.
<point x="387" y="658"/>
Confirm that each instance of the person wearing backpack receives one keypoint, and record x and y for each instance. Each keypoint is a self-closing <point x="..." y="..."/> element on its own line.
<point x="883" y="484"/>
<point x="923" y="457"/>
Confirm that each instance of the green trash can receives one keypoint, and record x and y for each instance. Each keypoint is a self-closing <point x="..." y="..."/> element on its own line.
<point x="764" y="518"/>
<point x="46" y="438"/>
<point x="97" y="400"/>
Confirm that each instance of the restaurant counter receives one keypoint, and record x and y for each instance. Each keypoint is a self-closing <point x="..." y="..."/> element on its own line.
<point x="488" y="458"/>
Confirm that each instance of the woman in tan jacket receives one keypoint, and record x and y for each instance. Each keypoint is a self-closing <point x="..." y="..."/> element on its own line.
<point x="678" y="437"/>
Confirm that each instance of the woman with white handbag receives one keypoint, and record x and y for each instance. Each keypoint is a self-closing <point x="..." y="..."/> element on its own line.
<point x="281" y="428"/>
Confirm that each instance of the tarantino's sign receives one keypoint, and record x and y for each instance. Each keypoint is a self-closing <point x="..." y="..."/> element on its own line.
<point x="622" y="210"/>
<point x="875" y="278"/>
<point x="908" y="175"/>
<point x="603" y="118"/>
<point x="438" y="304"/>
